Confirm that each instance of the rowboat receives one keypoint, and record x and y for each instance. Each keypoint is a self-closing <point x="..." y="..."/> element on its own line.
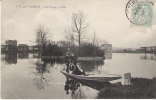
<point x="96" y="77"/>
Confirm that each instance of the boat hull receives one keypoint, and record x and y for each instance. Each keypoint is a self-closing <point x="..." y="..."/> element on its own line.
<point x="92" y="77"/>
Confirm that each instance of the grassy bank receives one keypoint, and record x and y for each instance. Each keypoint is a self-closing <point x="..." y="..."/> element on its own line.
<point x="79" y="58"/>
<point x="141" y="88"/>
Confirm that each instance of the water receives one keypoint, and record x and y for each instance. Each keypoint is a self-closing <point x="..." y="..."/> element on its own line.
<point x="24" y="77"/>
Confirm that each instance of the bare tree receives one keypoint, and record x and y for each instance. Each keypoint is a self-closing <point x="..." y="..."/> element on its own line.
<point x="94" y="38"/>
<point x="41" y="34"/>
<point x="79" y="25"/>
<point x="101" y="41"/>
<point x="96" y="41"/>
<point x="69" y="36"/>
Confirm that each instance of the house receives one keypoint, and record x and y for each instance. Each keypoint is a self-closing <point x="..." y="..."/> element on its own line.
<point x="107" y="47"/>
<point x="11" y="45"/>
<point x="3" y="48"/>
<point x="23" y="48"/>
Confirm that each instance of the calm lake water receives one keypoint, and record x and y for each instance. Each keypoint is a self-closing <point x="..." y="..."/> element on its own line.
<point x="24" y="77"/>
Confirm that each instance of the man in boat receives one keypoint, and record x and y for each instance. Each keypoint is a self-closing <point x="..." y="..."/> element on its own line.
<point x="74" y="68"/>
<point x="71" y="63"/>
<point x="67" y="59"/>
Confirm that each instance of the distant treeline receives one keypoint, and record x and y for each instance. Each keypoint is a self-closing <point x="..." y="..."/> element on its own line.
<point x="85" y="50"/>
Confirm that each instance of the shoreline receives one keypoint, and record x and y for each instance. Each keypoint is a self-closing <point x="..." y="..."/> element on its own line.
<point x="79" y="58"/>
<point x="141" y="88"/>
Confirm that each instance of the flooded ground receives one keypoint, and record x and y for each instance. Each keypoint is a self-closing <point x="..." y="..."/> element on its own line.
<point x="24" y="77"/>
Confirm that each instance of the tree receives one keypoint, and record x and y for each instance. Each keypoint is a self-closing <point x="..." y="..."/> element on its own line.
<point x="94" y="39"/>
<point x="94" y="42"/>
<point x="102" y="41"/>
<point x="69" y="36"/>
<point x="41" y="34"/>
<point x="79" y="25"/>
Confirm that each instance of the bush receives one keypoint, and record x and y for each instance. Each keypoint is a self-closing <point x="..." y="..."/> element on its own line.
<point x="140" y="89"/>
<point x="86" y="50"/>
<point x="53" y="50"/>
<point x="89" y="50"/>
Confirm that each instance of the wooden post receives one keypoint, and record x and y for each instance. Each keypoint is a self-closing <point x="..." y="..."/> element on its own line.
<point x="145" y="51"/>
<point x="126" y="79"/>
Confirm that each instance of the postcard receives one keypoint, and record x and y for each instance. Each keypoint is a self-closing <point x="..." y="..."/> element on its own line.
<point x="78" y="49"/>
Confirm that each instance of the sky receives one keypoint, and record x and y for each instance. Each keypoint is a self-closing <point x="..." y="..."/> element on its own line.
<point x="106" y="18"/>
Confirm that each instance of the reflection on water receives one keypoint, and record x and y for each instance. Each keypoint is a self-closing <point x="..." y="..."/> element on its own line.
<point x="148" y="57"/>
<point x="27" y="78"/>
<point x="54" y="61"/>
<point x="23" y="55"/>
<point x="91" y="66"/>
<point x="9" y="58"/>
<point x="40" y="68"/>
<point x="108" y="54"/>
<point x="37" y="55"/>
<point x="73" y="86"/>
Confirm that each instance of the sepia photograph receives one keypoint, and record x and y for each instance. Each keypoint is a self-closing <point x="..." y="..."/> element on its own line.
<point x="78" y="49"/>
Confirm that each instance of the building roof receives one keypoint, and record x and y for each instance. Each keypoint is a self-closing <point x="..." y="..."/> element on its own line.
<point x="106" y="45"/>
<point x="22" y="45"/>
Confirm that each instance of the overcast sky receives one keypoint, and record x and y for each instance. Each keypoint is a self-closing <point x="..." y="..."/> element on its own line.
<point x="107" y="19"/>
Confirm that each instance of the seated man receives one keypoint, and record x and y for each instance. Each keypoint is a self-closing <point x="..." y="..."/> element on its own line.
<point x="78" y="72"/>
<point x="74" y="68"/>
<point x="71" y="63"/>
